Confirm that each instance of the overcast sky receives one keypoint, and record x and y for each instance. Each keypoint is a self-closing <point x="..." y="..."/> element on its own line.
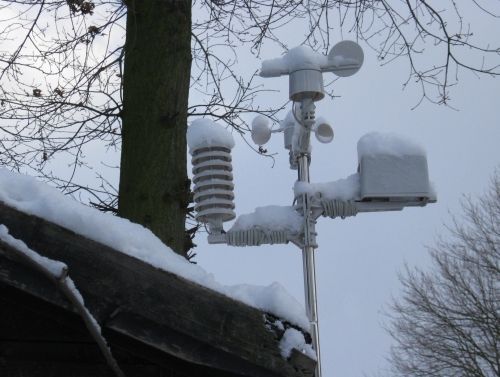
<point x="359" y="258"/>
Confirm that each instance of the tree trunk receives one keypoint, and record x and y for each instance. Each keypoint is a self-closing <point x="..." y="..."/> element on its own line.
<point x="154" y="187"/>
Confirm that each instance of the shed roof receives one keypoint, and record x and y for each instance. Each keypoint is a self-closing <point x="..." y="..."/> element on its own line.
<point x="140" y="304"/>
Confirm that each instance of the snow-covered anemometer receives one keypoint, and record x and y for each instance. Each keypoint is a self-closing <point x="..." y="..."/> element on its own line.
<point x="305" y="68"/>
<point x="392" y="172"/>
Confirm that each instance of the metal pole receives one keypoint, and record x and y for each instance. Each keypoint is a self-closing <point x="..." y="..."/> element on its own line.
<point x="309" y="268"/>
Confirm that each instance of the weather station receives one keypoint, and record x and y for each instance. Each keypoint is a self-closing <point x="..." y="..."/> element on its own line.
<point x="392" y="172"/>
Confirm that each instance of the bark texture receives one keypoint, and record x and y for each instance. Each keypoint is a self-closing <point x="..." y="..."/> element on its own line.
<point x="154" y="188"/>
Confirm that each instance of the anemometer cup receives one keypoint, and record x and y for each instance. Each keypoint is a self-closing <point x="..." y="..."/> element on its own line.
<point x="261" y="133"/>
<point x="323" y="131"/>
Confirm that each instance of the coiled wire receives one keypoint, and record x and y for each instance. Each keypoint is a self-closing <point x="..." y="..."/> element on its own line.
<point x="255" y="237"/>
<point x="338" y="208"/>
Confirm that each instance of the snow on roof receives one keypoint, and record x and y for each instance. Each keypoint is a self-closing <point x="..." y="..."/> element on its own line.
<point x="54" y="268"/>
<point x="293" y="338"/>
<point x="206" y="133"/>
<point x="33" y="197"/>
<point x="376" y="143"/>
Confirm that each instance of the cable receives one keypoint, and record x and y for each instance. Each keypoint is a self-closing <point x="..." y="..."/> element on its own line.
<point x="338" y="208"/>
<point x="256" y="237"/>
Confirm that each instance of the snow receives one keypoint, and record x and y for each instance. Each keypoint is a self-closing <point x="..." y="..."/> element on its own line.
<point x="376" y="143"/>
<point x="76" y="293"/>
<point x="70" y="284"/>
<point x="302" y="58"/>
<point x="298" y="58"/>
<point x="276" y="218"/>
<point x="342" y="189"/>
<point x="279" y="325"/>
<point x="371" y="144"/>
<point x="206" y="133"/>
<point x="54" y="268"/>
<point x="33" y="197"/>
<point x="274" y="298"/>
<point x="293" y="338"/>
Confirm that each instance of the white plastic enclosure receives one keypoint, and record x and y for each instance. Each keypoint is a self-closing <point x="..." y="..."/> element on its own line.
<point x="386" y="177"/>
<point x="213" y="185"/>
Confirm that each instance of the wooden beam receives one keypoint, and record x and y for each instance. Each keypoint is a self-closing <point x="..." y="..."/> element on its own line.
<point x="157" y="308"/>
<point x="40" y="339"/>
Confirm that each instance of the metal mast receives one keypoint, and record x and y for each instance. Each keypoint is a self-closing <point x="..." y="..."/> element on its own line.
<point x="387" y="182"/>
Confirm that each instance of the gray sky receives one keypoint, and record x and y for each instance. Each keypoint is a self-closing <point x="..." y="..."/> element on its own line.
<point x="359" y="258"/>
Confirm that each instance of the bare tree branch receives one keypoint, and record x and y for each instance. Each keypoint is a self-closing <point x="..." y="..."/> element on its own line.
<point x="61" y="67"/>
<point x="447" y="322"/>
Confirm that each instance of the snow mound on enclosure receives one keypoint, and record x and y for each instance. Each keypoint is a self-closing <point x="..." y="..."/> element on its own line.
<point x="376" y="143"/>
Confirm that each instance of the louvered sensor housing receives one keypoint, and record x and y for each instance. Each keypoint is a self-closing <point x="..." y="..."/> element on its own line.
<point x="210" y="148"/>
